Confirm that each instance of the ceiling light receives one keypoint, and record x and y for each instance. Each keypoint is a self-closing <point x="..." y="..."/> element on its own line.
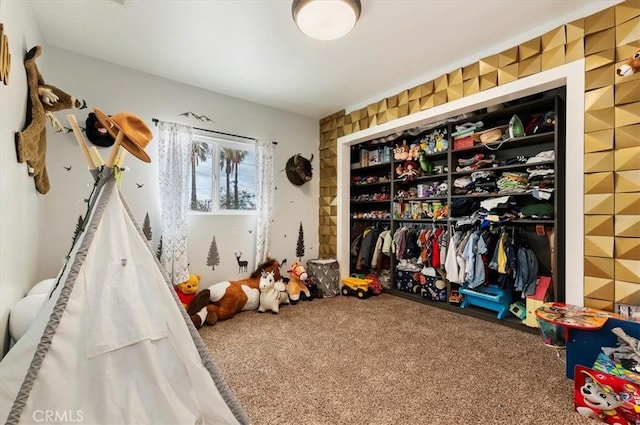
<point x="326" y="19"/>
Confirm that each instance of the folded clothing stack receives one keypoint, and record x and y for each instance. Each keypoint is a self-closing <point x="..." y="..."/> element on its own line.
<point x="512" y="182"/>
<point x="476" y="162"/>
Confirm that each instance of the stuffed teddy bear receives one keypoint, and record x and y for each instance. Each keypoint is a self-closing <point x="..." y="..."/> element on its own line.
<point x="187" y="290"/>
<point x="42" y="101"/>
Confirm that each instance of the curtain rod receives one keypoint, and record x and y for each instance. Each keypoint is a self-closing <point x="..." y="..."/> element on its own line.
<point x="156" y="121"/>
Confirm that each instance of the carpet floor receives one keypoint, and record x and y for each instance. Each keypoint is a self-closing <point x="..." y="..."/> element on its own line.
<point x="388" y="360"/>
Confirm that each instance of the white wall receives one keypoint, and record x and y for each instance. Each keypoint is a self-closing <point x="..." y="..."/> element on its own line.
<point x="20" y="204"/>
<point x="115" y="89"/>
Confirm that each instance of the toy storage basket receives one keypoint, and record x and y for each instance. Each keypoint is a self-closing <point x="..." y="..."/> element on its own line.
<point x="327" y="272"/>
<point x="552" y="335"/>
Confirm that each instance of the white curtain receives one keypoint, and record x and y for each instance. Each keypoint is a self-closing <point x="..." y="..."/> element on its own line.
<point x="264" y="195"/>
<point x="174" y="151"/>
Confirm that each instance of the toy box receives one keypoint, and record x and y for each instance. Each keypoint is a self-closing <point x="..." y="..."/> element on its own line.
<point x="606" y="398"/>
<point x="463" y="142"/>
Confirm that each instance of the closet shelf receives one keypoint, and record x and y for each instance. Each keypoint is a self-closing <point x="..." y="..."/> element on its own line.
<point x="422" y="178"/>
<point x="502" y="168"/>
<point x="490" y="195"/>
<point x="385" y="201"/>
<point x="534" y="139"/>
<point x="429" y="198"/>
<point x="382" y="165"/>
<point x="371" y="184"/>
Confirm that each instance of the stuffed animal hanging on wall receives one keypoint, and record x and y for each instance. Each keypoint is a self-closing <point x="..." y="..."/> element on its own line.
<point x="42" y="101"/>
<point x="299" y="169"/>
<point x="631" y="66"/>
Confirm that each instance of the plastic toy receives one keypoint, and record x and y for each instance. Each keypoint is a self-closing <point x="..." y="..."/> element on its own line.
<point x="355" y="286"/>
<point x="272" y="293"/>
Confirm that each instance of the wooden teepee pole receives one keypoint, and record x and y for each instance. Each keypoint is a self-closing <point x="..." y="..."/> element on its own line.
<point x="81" y="142"/>
<point x="114" y="151"/>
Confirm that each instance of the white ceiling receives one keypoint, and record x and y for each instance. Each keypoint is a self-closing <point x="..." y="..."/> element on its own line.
<point x="251" y="49"/>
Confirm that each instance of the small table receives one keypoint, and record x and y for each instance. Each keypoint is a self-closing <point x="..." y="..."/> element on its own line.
<point x="566" y="316"/>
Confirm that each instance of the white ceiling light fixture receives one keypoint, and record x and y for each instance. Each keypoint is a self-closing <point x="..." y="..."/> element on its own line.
<point x="326" y="19"/>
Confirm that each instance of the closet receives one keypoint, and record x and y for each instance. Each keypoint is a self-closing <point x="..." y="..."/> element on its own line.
<point x="463" y="213"/>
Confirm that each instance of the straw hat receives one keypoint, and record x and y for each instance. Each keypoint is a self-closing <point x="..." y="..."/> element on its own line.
<point x="136" y="133"/>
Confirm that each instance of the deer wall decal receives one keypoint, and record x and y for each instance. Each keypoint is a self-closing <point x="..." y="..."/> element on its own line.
<point x="242" y="264"/>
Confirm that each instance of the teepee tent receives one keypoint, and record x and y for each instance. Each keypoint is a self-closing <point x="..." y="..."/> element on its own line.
<point x="113" y="344"/>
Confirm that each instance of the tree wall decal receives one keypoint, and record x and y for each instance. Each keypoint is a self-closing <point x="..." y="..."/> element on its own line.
<point x="146" y="227"/>
<point x="159" y="251"/>
<point x="77" y="230"/>
<point x="300" y="244"/>
<point x="213" y="259"/>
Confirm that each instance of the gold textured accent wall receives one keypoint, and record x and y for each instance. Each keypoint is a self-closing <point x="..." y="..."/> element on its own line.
<point x="611" y="142"/>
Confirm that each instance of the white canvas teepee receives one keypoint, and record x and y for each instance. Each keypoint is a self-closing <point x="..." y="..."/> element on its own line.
<point x="113" y="345"/>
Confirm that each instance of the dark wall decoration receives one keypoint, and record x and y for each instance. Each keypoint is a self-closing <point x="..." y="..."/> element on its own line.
<point x="299" y="169"/>
<point x="300" y="244"/>
<point x="202" y="118"/>
<point x="213" y="259"/>
<point x="242" y="264"/>
<point x="159" y="251"/>
<point x="146" y="227"/>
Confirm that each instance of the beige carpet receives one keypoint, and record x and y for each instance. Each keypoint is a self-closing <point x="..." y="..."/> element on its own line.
<point x="388" y="360"/>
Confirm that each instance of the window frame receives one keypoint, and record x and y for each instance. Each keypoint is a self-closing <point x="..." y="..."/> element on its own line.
<point x="218" y="143"/>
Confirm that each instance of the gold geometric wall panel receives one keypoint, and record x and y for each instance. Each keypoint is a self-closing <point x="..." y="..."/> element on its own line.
<point x="529" y="49"/>
<point x="599" y="41"/>
<point x="440" y="83"/>
<point x="598" y="183"/>
<point x="599" y="120"/>
<point x="601" y="289"/>
<point x="599" y="77"/>
<point x="488" y="80"/>
<point x="471" y="86"/>
<point x="575" y="30"/>
<point x="598" y="141"/>
<point x="507" y="74"/>
<point x="553" y="39"/>
<point x="628" y="181"/>
<point x="627" y="114"/>
<point x="574" y="50"/>
<point x="455" y="91"/>
<point x="508" y="57"/>
<point x="627" y="225"/>
<point x="598" y="304"/>
<point x="553" y="58"/>
<point x="598" y="225"/>
<point x="627" y="137"/>
<point x="627" y="248"/>
<point x="471" y="71"/>
<point x="598" y="99"/>
<point x="627" y="292"/>
<point x="598" y="267"/>
<point x="626" y="203"/>
<point x="600" y="59"/>
<point x="628" y="92"/>
<point x="628" y="32"/>
<point x="598" y="161"/>
<point x="627" y="10"/>
<point x="598" y="246"/>
<point x="598" y="204"/>
<point x="628" y="158"/>
<point x="600" y="21"/>
<point x="530" y="66"/>
<point x="628" y="270"/>
<point x="488" y="64"/>
<point x="426" y="88"/>
<point x="455" y="77"/>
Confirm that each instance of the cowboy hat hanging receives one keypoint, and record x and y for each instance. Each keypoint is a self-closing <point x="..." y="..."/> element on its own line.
<point x="137" y="134"/>
<point x="97" y="133"/>
<point x="299" y="169"/>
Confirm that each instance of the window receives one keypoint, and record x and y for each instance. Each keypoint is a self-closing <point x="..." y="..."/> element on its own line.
<point x="223" y="176"/>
